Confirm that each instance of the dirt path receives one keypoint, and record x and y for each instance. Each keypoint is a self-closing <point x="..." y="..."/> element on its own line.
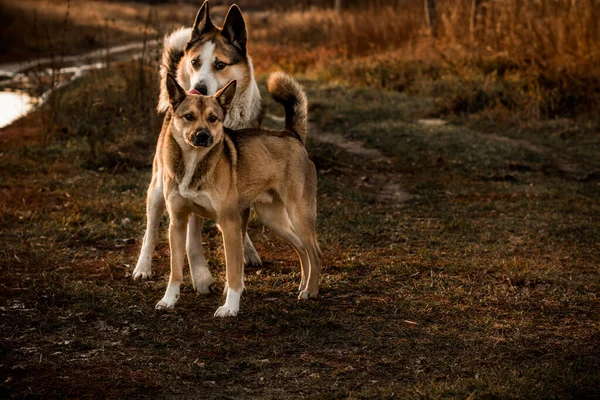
<point x="387" y="187"/>
<point x="115" y="53"/>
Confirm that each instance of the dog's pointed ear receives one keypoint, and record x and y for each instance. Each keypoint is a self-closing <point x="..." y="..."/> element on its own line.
<point x="203" y="23"/>
<point x="234" y="28"/>
<point x="225" y="95"/>
<point x="176" y="92"/>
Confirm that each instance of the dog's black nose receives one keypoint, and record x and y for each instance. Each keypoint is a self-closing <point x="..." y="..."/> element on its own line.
<point x="202" y="138"/>
<point x="202" y="89"/>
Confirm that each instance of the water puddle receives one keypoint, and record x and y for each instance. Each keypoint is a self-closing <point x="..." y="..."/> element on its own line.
<point x="14" y="105"/>
<point x="15" y="101"/>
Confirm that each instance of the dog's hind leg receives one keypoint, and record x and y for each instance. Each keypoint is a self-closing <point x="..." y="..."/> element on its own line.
<point x="201" y="278"/>
<point x="155" y="208"/>
<point x="308" y="237"/>
<point x="251" y="256"/>
<point x="177" y="236"/>
<point x="276" y="218"/>
<point x="303" y="215"/>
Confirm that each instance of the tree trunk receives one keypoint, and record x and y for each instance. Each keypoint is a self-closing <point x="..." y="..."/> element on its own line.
<point x="429" y="6"/>
<point x="337" y="6"/>
<point x="478" y="11"/>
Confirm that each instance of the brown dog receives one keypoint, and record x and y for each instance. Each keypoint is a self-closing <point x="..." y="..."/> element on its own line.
<point x="219" y="173"/>
<point x="204" y="58"/>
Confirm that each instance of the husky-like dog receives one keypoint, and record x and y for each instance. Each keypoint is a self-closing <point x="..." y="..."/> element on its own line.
<point x="204" y="59"/>
<point x="219" y="173"/>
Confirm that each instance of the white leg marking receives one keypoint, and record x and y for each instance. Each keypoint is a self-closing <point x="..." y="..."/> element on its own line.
<point x="202" y="279"/>
<point x="231" y="306"/>
<point x="155" y="207"/>
<point x="143" y="268"/>
<point x="171" y="296"/>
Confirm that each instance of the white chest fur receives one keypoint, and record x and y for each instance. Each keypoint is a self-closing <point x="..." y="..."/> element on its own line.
<point x="199" y="198"/>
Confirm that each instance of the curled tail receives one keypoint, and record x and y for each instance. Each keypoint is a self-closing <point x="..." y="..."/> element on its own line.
<point x="173" y="46"/>
<point x="289" y="93"/>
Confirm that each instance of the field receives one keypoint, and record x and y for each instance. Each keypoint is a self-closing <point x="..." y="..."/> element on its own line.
<point x="461" y="254"/>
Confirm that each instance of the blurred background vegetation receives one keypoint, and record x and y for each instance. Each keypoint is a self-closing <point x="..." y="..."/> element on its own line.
<point x="512" y="59"/>
<point x="506" y="62"/>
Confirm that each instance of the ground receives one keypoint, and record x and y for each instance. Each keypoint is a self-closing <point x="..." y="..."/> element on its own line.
<point x="460" y="260"/>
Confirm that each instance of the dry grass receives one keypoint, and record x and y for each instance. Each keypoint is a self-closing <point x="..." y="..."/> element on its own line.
<point x="515" y="61"/>
<point x="113" y="109"/>
<point x="484" y="283"/>
<point x="535" y="60"/>
<point x="555" y="34"/>
<point x="353" y="34"/>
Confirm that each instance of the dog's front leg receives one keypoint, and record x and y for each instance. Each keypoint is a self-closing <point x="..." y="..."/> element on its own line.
<point x="234" y="264"/>
<point x="155" y="207"/>
<point x="177" y="236"/>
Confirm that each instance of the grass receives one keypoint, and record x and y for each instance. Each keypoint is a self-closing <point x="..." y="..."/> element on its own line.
<point x="483" y="284"/>
<point x="514" y="61"/>
<point x="114" y="110"/>
<point x="461" y="258"/>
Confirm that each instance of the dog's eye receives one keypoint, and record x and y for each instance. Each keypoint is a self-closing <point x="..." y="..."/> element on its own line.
<point x="189" y="117"/>
<point x="212" y="119"/>
<point x="220" y="65"/>
<point x="195" y="63"/>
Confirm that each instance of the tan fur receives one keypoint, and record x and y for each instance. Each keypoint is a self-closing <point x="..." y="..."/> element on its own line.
<point x="288" y="92"/>
<point x="183" y="46"/>
<point x="246" y="111"/>
<point x="268" y="169"/>
<point x="180" y="48"/>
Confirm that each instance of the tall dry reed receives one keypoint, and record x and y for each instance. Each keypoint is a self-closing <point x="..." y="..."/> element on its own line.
<point x="545" y="53"/>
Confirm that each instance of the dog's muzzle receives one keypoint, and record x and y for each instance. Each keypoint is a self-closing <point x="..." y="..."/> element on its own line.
<point x="202" y="138"/>
<point x="201" y="88"/>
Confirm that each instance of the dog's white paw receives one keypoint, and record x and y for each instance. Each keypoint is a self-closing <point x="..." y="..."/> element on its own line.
<point x="202" y="286"/>
<point x="141" y="273"/>
<point x="225" y="311"/>
<point x="164" y="305"/>
<point x="232" y="304"/>
<point x="170" y="298"/>
<point x="252" y="258"/>
<point x="306" y="294"/>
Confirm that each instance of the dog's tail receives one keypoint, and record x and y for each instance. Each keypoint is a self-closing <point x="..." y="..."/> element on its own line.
<point x="289" y="93"/>
<point x="173" y="46"/>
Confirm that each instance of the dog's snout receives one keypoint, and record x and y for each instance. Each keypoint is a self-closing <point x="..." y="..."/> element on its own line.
<point x="202" y="138"/>
<point x="202" y="88"/>
<point x="203" y="132"/>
